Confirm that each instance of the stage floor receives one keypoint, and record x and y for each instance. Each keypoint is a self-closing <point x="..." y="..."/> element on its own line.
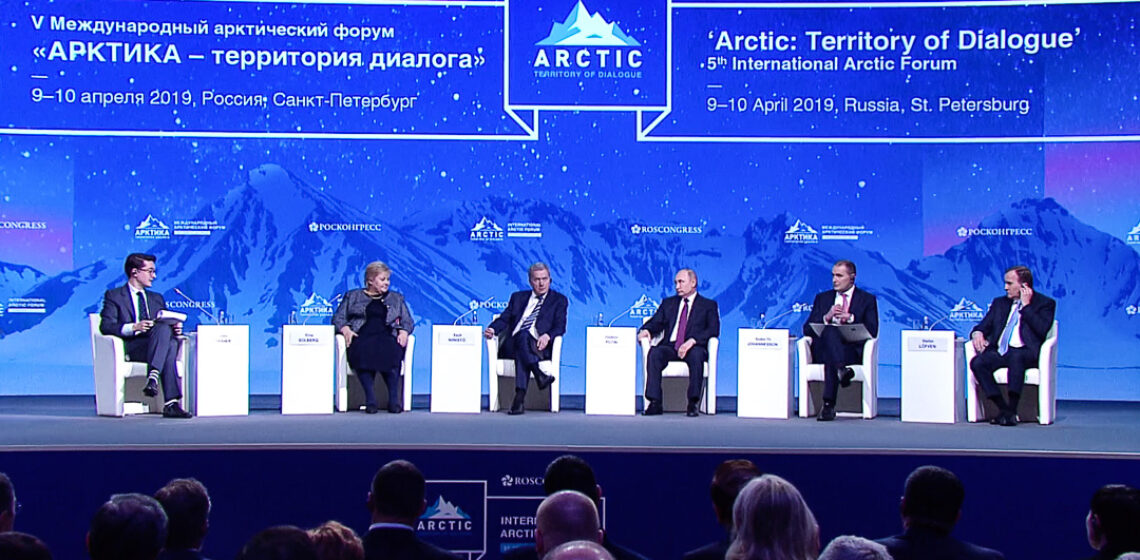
<point x="1083" y="429"/>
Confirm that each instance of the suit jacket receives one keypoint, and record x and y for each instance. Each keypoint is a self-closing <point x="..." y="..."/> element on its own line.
<point x="351" y="311"/>
<point x="919" y="543"/>
<point x="1036" y="320"/>
<point x="180" y="554"/>
<point x="712" y="551"/>
<point x="863" y="306"/>
<point x="119" y="309"/>
<point x="551" y="318"/>
<point x="704" y="319"/>
<point x="401" y="544"/>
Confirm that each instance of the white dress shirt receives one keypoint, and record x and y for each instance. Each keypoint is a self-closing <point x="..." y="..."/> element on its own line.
<point x="530" y="305"/>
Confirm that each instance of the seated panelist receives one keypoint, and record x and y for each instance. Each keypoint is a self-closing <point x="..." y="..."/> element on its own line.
<point x="376" y="322"/>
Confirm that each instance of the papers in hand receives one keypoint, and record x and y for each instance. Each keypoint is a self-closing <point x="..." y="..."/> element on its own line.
<point x="854" y="332"/>
<point x="172" y="317"/>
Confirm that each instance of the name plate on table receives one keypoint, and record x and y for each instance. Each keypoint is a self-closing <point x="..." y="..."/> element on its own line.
<point x="222" y="370"/>
<point x="933" y="377"/>
<point x="765" y="373"/>
<point x="307" y="369"/>
<point x="919" y="343"/>
<point x="611" y="370"/>
<point x="456" y="368"/>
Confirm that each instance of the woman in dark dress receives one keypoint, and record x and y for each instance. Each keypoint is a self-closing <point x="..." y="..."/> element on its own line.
<point x="376" y="323"/>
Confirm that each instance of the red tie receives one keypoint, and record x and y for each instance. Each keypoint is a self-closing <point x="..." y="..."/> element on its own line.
<point x="684" y="322"/>
<point x="845" y="302"/>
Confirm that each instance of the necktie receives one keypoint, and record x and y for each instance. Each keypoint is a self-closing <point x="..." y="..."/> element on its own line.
<point x="682" y="325"/>
<point x="533" y="314"/>
<point x="1010" y="326"/>
<point x="141" y="304"/>
<point x="845" y="302"/>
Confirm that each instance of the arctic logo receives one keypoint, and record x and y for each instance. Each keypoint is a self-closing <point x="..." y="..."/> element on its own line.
<point x="966" y="310"/>
<point x="444" y="516"/>
<point x="588" y="32"/>
<point x="486" y="230"/>
<point x="316" y="306"/>
<point x="644" y="307"/>
<point x="801" y="233"/>
<point x="583" y="29"/>
<point x="152" y="228"/>
<point x="1134" y="235"/>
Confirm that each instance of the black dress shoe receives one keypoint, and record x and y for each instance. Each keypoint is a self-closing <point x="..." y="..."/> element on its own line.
<point x="395" y="409"/>
<point x="846" y="376"/>
<point x="174" y="410"/>
<point x="691" y="411"/>
<point x="371" y="409"/>
<point x="543" y="381"/>
<point x="827" y="413"/>
<point x="653" y="409"/>
<point x="151" y="389"/>
<point x="518" y="406"/>
<point x="1008" y="419"/>
<point x="996" y="420"/>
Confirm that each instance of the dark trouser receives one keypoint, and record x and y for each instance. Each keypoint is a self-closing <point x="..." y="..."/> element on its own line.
<point x="1017" y="360"/>
<point x="158" y="347"/>
<point x="391" y="379"/>
<point x="521" y="347"/>
<point x="830" y="350"/>
<point x="661" y="355"/>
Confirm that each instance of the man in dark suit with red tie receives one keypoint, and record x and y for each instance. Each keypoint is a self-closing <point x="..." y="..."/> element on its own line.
<point x="535" y="317"/>
<point x="842" y="305"/>
<point x="687" y="320"/>
<point x="130" y="312"/>
<point x="1010" y="336"/>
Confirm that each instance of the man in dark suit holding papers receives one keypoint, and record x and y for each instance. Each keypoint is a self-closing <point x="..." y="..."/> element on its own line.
<point x="131" y="312"/>
<point x="1010" y="336"/>
<point x="687" y="321"/>
<point x="535" y="318"/>
<point x="843" y="305"/>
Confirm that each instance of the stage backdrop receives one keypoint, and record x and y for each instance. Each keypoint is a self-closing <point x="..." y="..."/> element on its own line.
<point x="266" y="151"/>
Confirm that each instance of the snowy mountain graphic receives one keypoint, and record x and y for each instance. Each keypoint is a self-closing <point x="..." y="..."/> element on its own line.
<point x="1135" y="230"/>
<point x="486" y="225"/>
<point x="801" y="227"/>
<point x="443" y="509"/>
<point x="965" y="305"/>
<point x="583" y="29"/>
<point x="151" y="224"/>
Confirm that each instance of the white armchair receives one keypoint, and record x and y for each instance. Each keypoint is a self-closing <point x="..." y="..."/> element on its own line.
<point x="1044" y="376"/>
<point x="343" y="371"/>
<point x="676" y="373"/>
<point x="500" y="394"/>
<point x="867" y="373"/>
<point x="119" y="383"/>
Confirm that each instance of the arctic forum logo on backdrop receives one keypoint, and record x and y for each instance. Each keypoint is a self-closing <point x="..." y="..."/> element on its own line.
<point x="456" y="520"/>
<point x="152" y="228"/>
<point x="643" y="307"/>
<point x="966" y="310"/>
<point x="1133" y="237"/>
<point x="605" y="54"/>
<point x="801" y="233"/>
<point x="488" y="230"/>
<point x="316" y="307"/>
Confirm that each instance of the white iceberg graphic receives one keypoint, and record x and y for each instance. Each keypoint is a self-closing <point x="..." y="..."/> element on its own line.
<point x="583" y="29"/>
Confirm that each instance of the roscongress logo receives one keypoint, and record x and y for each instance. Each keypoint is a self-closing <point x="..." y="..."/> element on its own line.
<point x="1133" y="237"/>
<point x="1132" y="310"/>
<point x="152" y="228"/>
<point x="966" y="310"/>
<point x="640" y="229"/>
<point x="801" y="233"/>
<point x="511" y="481"/>
<point x="487" y="230"/>
<point x="994" y="232"/>
<point x="801" y="307"/>
<point x="316" y="227"/>
<point x="587" y="45"/>
<point x="22" y="224"/>
<point x="643" y="307"/>
<point x="489" y="303"/>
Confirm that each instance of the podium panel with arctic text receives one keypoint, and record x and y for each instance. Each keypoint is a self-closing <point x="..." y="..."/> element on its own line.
<point x="222" y="370"/>
<point x="611" y="370"/>
<point x="933" y="377"/>
<point x="456" y="364"/>
<point x="766" y="374"/>
<point x="307" y="360"/>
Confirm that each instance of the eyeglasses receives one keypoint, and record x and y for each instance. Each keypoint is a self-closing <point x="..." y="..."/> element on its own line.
<point x="149" y="270"/>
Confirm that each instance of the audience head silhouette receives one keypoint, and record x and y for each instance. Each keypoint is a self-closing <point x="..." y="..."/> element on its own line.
<point x="397" y="493"/>
<point x="187" y="506"/>
<point x="932" y="498"/>
<point x="283" y="542"/>
<point x="566" y="516"/>
<point x="127" y="527"/>
<point x="772" y="522"/>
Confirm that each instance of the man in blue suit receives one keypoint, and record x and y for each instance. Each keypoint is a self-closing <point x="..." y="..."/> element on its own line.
<point x="1010" y="336"/>
<point x="130" y="312"/>
<point x="687" y="321"/>
<point x="534" y="318"/>
<point x="843" y="304"/>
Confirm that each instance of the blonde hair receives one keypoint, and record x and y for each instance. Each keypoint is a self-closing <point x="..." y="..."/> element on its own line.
<point x="334" y="541"/>
<point x="374" y="269"/>
<point x="771" y="521"/>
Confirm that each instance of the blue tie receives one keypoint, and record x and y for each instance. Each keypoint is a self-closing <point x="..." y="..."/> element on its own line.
<point x="143" y="315"/>
<point x="1010" y="326"/>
